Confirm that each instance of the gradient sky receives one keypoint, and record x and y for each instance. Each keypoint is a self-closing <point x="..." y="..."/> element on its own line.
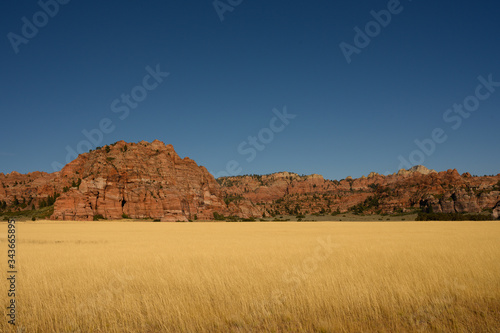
<point x="226" y="77"/>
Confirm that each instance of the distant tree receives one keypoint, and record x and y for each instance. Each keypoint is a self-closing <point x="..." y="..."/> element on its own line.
<point x="218" y="217"/>
<point x="452" y="217"/>
<point x="76" y="184"/>
<point x="51" y="199"/>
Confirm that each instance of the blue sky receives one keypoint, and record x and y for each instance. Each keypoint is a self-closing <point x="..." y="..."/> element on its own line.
<point x="226" y="78"/>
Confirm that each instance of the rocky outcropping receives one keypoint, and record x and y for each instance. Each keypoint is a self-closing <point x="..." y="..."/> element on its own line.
<point x="496" y="211"/>
<point x="30" y="191"/>
<point x="415" y="189"/>
<point x="149" y="180"/>
<point x="136" y="180"/>
<point x="417" y="168"/>
<point x="143" y="180"/>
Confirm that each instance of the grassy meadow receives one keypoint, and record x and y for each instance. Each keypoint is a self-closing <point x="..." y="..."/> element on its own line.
<point x="255" y="277"/>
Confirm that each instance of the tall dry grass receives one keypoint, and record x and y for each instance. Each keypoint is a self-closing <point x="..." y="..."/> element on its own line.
<point x="254" y="277"/>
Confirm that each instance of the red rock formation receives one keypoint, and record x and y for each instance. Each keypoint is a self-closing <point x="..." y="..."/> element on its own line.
<point x="149" y="180"/>
<point x="30" y="190"/>
<point x="413" y="189"/>
<point x="496" y="211"/>
<point x="143" y="180"/>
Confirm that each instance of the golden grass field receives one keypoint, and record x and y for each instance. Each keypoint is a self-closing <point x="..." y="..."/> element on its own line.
<point x="255" y="277"/>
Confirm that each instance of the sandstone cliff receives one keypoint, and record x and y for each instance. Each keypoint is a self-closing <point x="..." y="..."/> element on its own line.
<point x="149" y="180"/>
<point x="407" y="190"/>
<point x="143" y="180"/>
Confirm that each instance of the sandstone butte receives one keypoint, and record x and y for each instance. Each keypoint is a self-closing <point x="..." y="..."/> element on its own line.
<point x="150" y="181"/>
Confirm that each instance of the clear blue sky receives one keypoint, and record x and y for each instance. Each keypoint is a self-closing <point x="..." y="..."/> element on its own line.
<point x="226" y="77"/>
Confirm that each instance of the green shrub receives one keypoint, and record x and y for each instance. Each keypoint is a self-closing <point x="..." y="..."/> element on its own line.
<point x="451" y="217"/>
<point x="230" y="199"/>
<point x="77" y="183"/>
<point x="337" y="212"/>
<point x="218" y="217"/>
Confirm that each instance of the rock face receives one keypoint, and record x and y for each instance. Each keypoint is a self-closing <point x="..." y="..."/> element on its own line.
<point x="144" y="180"/>
<point x="149" y="180"/>
<point x="32" y="190"/>
<point x="496" y="211"/>
<point x="415" y="189"/>
<point x="417" y="168"/>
